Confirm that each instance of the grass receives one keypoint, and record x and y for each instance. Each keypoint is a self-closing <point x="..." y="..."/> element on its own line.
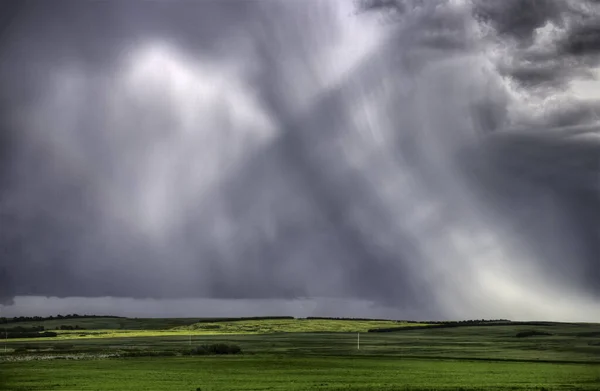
<point x="292" y="326"/>
<point x="295" y="373"/>
<point x="288" y="354"/>
<point x="105" y="327"/>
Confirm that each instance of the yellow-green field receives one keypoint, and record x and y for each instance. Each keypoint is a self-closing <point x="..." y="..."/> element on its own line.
<point x="127" y="328"/>
<point x="291" y="326"/>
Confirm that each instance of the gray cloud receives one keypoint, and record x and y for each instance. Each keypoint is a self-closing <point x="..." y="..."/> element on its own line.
<point x="520" y="18"/>
<point x="555" y="39"/>
<point x="225" y="150"/>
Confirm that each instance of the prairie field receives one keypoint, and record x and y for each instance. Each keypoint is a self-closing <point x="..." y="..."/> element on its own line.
<point x="303" y="354"/>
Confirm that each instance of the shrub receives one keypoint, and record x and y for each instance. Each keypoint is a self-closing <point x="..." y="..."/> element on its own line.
<point x="21" y="329"/>
<point x="62" y="346"/>
<point x="216" y="348"/>
<point x="30" y="334"/>
<point x="530" y="333"/>
<point x="588" y="334"/>
<point x="69" y="327"/>
<point x="148" y="353"/>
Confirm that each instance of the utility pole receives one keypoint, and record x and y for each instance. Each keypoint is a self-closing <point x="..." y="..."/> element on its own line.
<point x="358" y="341"/>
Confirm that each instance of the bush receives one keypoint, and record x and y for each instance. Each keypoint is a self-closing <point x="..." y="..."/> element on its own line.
<point x="588" y="334"/>
<point x="148" y="353"/>
<point x="217" y="348"/>
<point x="69" y="327"/>
<point x="530" y="333"/>
<point x="62" y="346"/>
<point x="30" y="334"/>
<point x="21" y="329"/>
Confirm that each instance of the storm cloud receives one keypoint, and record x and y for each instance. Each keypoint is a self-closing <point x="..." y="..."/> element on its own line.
<point x="434" y="157"/>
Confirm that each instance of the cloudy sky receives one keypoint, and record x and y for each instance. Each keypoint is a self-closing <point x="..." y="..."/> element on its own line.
<point x="407" y="159"/>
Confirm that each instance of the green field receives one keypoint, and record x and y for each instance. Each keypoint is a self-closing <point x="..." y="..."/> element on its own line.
<point x="300" y="354"/>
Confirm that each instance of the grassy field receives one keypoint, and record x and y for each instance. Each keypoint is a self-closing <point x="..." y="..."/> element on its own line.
<point x="129" y="328"/>
<point x="109" y="323"/>
<point x="296" y="373"/>
<point x="288" y="354"/>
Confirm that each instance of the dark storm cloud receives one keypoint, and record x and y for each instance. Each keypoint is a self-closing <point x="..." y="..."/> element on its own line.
<point x="305" y="152"/>
<point x="519" y="18"/>
<point x="516" y="172"/>
<point x="552" y="61"/>
<point x="46" y="222"/>
<point x="300" y="218"/>
<point x="566" y="169"/>
<point x="9" y="13"/>
<point x="309" y="166"/>
<point x="515" y="23"/>
<point x="562" y="170"/>
<point x="583" y="40"/>
<point x="51" y="242"/>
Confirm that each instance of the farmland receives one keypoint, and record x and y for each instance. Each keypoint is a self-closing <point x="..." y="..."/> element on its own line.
<point x="304" y="354"/>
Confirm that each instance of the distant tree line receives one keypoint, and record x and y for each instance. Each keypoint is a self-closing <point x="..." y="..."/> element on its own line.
<point x="21" y="329"/>
<point x="463" y="323"/>
<point x="10" y="335"/>
<point x="211" y="320"/>
<point x="356" y="319"/>
<point x="467" y="322"/>
<point x="41" y="318"/>
<point x="36" y="329"/>
<point x="69" y="327"/>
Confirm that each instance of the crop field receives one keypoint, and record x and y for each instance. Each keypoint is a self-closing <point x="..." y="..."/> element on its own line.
<point x="123" y="327"/>
<point x="303" y="354"/>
